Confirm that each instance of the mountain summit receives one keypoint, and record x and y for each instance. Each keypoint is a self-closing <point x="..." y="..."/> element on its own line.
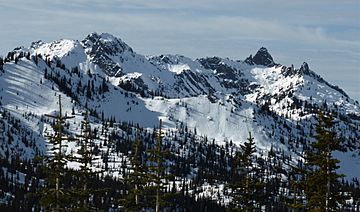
<point x="199" y="100"/>
<point x="262" y="57"/>
<point x="241" y="85"/>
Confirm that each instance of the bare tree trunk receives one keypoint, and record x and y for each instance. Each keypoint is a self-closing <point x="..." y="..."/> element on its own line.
<point x="328" y="182"/>
<point x="57" y="186"/>
<point x="136" y="195"/>
<point x="157" y="201"/>
<point x="86" y="199"/>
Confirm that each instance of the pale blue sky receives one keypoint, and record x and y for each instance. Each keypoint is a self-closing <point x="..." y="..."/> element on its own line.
<point x="326" y="33"/>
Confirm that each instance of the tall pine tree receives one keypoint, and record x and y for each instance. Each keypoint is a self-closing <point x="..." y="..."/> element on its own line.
<point x="137" y="178"/>
<point x="82" y="191"/>
<point x="322" y="186"/>
<point x="54" y="197"/>
<point x="158" y="178"/>
<point x="295" y="185"/>
<point x="245" y="188"/>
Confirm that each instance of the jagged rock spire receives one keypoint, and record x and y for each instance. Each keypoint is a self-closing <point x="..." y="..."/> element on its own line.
<point x="262" y="57"/>
<point x="304" y="68"/>
<point x="249" y="60"/>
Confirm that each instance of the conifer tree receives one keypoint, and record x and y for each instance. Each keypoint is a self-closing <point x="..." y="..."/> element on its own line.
<point x="54" y="196"/>
<point x="1" y="63"/>
<point x="322" y="188"/>
<point x="235" y="183"/>
<point x="245" y="187"/>
<point x="156" y="174"/>
<point x="137" y="179"/>
<point x="82" y="192"/>
<point x="105" y="87"/>
<point x="295" y="185"/>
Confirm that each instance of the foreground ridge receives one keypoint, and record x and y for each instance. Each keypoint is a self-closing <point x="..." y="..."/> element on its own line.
<point x="207" y="106"/>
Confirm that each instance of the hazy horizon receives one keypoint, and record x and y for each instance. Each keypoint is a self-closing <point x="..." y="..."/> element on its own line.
<point x="325" y="34"/>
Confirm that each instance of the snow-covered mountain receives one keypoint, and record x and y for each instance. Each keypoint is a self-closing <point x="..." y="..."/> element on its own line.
<point x="219" y="98"/>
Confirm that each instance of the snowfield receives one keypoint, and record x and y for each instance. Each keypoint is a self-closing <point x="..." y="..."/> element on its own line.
<point x="221" y="99"/>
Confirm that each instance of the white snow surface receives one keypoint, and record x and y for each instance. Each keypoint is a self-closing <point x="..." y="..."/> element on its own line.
<point x="231" y="116"/>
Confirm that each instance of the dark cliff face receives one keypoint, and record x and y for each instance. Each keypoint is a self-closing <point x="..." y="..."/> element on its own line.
<point x="101" y="47"/>
<point x="262" y="57"/>
<point x="249" y="60"/>
<point x="228" y="76"/>
<point x="222" y="70"/>
<point x="105" y="44"/>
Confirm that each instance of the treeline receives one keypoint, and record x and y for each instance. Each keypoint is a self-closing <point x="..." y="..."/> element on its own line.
<point x="162" y="170"/>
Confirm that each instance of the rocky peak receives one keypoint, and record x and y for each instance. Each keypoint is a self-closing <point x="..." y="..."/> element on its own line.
<point x="107" y="51"/>
<point x="262" y="57"/>
<point x="36" y="44"/>
<point x="105" y="43"/>
<point x="210" y="62"/>
<point x="304" y="68"/>
<point x="221" y="69"/>
<point x="249" y="60"/>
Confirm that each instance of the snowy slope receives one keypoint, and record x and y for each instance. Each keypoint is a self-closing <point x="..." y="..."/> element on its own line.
<point x="220" y="98"/>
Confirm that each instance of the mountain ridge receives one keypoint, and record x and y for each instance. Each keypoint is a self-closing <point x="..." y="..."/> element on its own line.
<point x="176" y="76"/>
<point x="218" y="98"/>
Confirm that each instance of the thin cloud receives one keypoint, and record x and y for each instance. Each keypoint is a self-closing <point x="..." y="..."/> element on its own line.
<point x="318" y="32"/>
